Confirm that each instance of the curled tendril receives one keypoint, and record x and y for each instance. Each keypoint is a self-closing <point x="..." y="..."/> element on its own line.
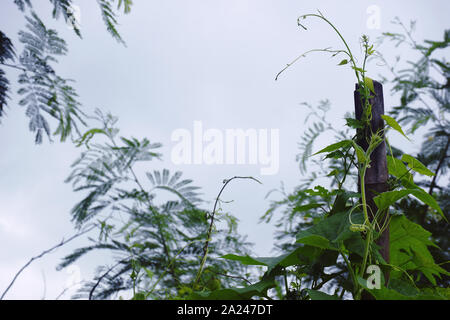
<point x="357" y="227"/>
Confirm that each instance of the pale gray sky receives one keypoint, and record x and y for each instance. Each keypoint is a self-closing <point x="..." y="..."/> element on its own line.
<point x="208" y="60"/>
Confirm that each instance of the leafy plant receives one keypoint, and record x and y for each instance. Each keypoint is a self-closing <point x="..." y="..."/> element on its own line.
<point x="156" y="244"/>
<point x="43" y="91"/>
<point x="336" y="230"/>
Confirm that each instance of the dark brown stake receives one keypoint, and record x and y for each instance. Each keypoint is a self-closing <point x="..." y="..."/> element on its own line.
<point x="377" y="175"/>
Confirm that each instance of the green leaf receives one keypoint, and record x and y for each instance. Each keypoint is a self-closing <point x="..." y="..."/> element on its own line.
<point x="299" y="256"/>
<point x="258" y="289"/>
<point x="398" y="293"/>
<point x="393" y="124"/>
<point x="330" y="232"/>
<point x="354" y="123"/>
<point x="139" y="296"/>
<point x="384" y="200"/>
<point x="360" y="70"/>
<point x="360" y="154"/>
<point x="398" y="169"/>
<point x="409" y="249"/>
<point x="335" y="146"/>
<point x="307" y="207"/>
<point x="427" y="199"/>
<point x="89" y="135"/>
<point x="369" y="84"/>
<point x="343" y="62"/>
<point x="247" y="260"/>
<point x="416" y="165"/>
<point x="315" y="241"/>
<point x="319" y="295"/>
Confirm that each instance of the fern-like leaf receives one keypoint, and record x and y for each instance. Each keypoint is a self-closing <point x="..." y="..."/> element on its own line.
<point x="110" y="19"/>
<point x="6" y="53"/>
<point x="42" y="90"/>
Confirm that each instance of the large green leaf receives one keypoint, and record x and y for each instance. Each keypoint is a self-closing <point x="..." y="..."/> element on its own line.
<point x="369" y="84"/>
<point x="299" y="256"/>
<point x="409" y="244"/>
<point x="307" y="207"/>
<point x="416" y="165"/>
<point x="397" y="168"/>
<point x="394" y="125"/>
<point x="360" y="153"/>
<point x="400" y="291"/>
<point x="247" y="260"/>
<point x="335" y="146"/>
<point x="258" y="289"/>
<point x="384" y="200"/>
<point x="331" y="232"/>
<point x="319" y="295"/>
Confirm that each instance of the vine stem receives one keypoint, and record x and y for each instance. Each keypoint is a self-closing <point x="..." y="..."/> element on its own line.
<point x="208" y="237"/>
<point x="352" y="273"/>
<point x="338" y="33"/>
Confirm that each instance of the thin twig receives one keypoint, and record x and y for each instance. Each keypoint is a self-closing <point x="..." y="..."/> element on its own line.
<point x="91" y="292"/>
<point x="43" y="253"/>
<point x="208" y="238"/>
<point x="13" y="66"/>
<point x="234" y="277"/>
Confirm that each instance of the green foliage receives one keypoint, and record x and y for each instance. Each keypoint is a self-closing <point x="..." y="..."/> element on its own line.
<point x="319" y="295"/>
<point x="42" y="90"/>
<point x="21" y="4"/>
<point x="109" y="18"/>
<point x="409" y="250"/>
<point x="334" y="231"/>
<point x="423" y="86"/>
<point x="156" y="238"/>
<point x="6" y="54"/>
<point x="64" y="8"/>
<point x="399" y="290"/>
<point x="258" y="289"/>
<point x="393" y="124"/>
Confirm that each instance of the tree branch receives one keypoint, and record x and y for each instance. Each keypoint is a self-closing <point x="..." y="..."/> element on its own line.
<point x="208" y="238"/>
<point x="43" y="253"/>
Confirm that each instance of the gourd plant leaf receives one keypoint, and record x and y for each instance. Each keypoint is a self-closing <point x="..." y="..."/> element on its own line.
<point x="399" y="290"/>
<point x="369" y="84"/>
<point x="394" y="124"/>
<point x="416" y="165"/>
<point x="409" y="249"/>
<point x="258" y="289"/>
<point x="299" y="256"/>
<point x="330" y="232"/>
<point x="397" y="168"/>
<point x="360" y="154"/>
<point x="385" y="199"/>
<point x="307" y="207"/>
<point x="335" y="146"/>
<point x="319" y="295"/>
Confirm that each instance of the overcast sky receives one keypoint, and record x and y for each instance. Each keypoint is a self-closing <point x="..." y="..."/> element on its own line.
<point x="212" y="61"/>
